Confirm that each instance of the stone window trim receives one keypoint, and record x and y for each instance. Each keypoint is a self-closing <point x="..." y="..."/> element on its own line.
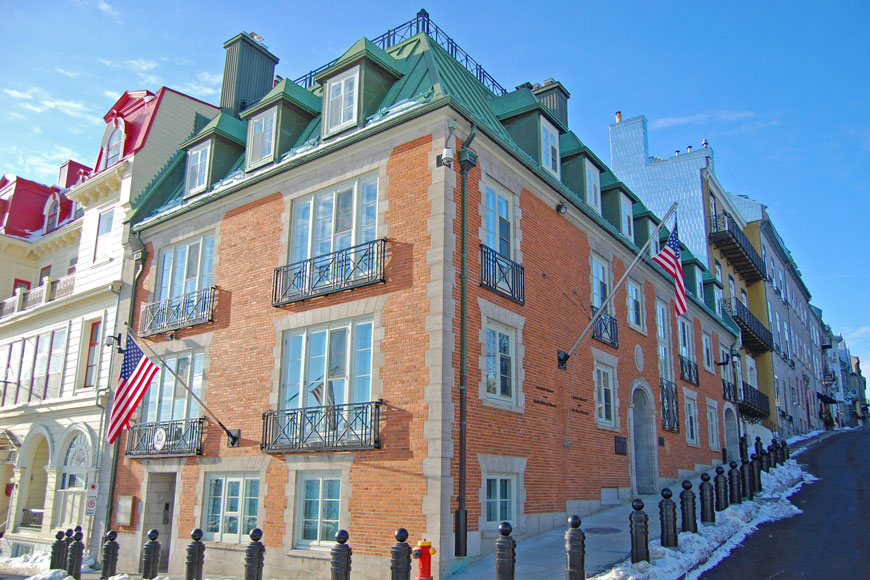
<point x="707" y="348"/>
<point x="503" y="316"/>
<point x="713" y="404"/>
<point x="516" y="212"/>
<point x="690" y="395"/>
<point x="299" y="466"/>
<point x="501" y="466"/>
<point x="610" y="360"/>
<point x="642" y="327"/>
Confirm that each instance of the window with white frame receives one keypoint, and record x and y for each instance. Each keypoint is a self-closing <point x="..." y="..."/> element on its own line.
<point x="684" y="332"/>
<point x="497" y="224"/>
<point x="51" y="216"/>
<point x="600" y="281"/>
<point x="500" y="362"/>
<point x="185" y="267"/>
<point x="549" y="147"/>
<point x="261" y="137"/>
<point x="627" y="215"/>
<point x="342" y="93"/>
<point x="319" y="509"/>
<point x="167" y="399"/>
<point x="102" y="247"/>
<point x="232" y="504"/>
<point x="197" y="168"/>
<point x="115" y="147"/>
<point x="71" y="489"/>
<point x="635" y="304"/>
<point x="699" y="281"/>
<point x="717" y="296"/>
<point x="717" y="268"/>
<point x="732" y="293"/>
<point x="707" y="343"/>
<point x="663" y="336"/>
<point x="501" y="502"/>
<point x="713" y="427"/>
<point x="604" y="404"/>
<point x="691" y="407"/>
<point x="593" y="186"/>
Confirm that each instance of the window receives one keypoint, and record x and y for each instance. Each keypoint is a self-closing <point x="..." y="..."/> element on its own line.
<point x="93" y="353"/>
<point x="713" y="209"/>
<point x="498" y="222"/>
<point x="726" y="369"/>
<point x="71" y="488"/>
<point x="772" y="273"/>
<point x="707" y="342"/>
<point x="327" y="365"/>
<point x="341" y="101"/>
<point x="743" y="297"/>
<point x="684" y="330"/>
<point x="501" y="499"/>
<point x="114" y="148"/>
<point x="713" y="427"/>
<point x="635" y="306"/>
<point x="51" y="217"/>
<point x="625" y="207"/>
<point x="604" y="393"/>
<point x="104" y="228"/>
<point x="691" y="407"/>
<point x="600" y="282"/>
<point x="232" y="506"/>
<point x="718" y="270"/>
<point x="593" y="186"/>
<point x="500" y="362"/>
<point x="23" y="284"/>
<point x="732" y="293"/>
<point x="318" y="513"/>
<point x="717" y="296"/>
<point x="197" y="168"/>
<point x="185" y="267"/>
<point x="167" y="399"/>
<point x="663" y="337"/>
<point x="549" y="147"/>
<point x="261" y="137"/>
<point x="699" y="283"/>
<point x="44" y="273"/>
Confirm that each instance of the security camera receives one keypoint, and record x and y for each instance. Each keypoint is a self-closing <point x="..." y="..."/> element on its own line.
<point x="446" y="158"/>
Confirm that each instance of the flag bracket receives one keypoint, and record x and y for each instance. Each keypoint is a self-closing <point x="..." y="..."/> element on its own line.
<point x="563" y="360"/>
<point x="233" y="437"/>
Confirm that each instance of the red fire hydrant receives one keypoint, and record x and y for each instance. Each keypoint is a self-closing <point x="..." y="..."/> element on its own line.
<point x="423" y="553"/>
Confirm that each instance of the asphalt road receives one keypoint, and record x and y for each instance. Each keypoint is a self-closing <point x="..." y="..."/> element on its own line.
<point x="830" y="540"/>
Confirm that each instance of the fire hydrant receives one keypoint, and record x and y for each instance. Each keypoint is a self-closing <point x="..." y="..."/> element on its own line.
<point x="423" y="552"/>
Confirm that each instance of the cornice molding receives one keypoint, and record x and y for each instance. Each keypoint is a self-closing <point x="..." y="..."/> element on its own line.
<point x="94" y="190"/>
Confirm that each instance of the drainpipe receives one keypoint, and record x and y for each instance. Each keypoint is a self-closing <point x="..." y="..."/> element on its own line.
<point x="738" y="388"/>
<point x="467" y="160"/>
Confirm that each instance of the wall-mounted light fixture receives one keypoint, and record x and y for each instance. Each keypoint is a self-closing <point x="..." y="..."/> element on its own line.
<point x="561" y="208"/>
<point x="110" y="340"/>
<point x="446" y="158"/>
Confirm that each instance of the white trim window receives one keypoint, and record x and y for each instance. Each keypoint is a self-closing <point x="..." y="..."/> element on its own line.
<point x="604" y="386"/>
<point x="600" y="281"/>
<point x="341" y="101"/>
<point x="663" y="335"/>
<point x="707" y="342"/>
<point x="713" y="427"/>
<point x="501" y="499"/>
<point x="501" y="372"/>
<point x="718" y="296"/>
<point x="593" y="186"/>
<point x="115" y="147"/>
<point x="102" y="248"/>
<point x="684" y="332"/>
<point x="318" y="514"/>
<point x="635" y="304"/>
<point x="232" y="506"/>
<point x="497" y="224"/>
<point x="699" y="282"/>
<point x="167" y="399"/>
<point x="71" y="488"/>
<point x="197" y="168"/>
<point x="691" y="408"/>
<point x="550" y="159"/>
<point x="261" y="137"/>
<point x="627" y="214"/>
<point x="185" y="267"/>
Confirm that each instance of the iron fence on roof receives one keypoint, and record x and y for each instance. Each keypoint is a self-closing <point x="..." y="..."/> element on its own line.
<point x="421" y="24"/>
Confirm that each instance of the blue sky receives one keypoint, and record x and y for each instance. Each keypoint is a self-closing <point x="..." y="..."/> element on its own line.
<point x="779" y="89"/>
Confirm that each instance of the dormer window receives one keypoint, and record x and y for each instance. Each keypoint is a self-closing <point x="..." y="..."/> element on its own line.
<point x="115" y="147"/>
<point x="261" y="137"/>
<point x="197" y="168"/>
<point x="341" y="100"/>
<point x="549" y="147"/>
<point x="51" y="217"/>
<point x="627" y="216"/>
<point x="593" y="186"/>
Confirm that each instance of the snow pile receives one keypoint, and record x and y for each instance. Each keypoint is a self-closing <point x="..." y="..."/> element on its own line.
<point x="712" y="543"/>
<point x="50" y="575"/>
<point x="27" y="563"/>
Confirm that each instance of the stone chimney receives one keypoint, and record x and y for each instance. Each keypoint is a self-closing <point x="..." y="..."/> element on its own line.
<point x="555" y="97"/>
<point x="71" y="173"/>
<point x="248" y="72"/>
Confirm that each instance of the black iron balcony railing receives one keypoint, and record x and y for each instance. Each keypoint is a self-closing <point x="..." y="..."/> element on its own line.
<point x="670" y="409"/>
<point x="179" y="312"/>
<point x="688" y="370"/>
<point x="827" y="342"/>
<point x="756" y="336"/>
<point x="353" y="267"/>
<point x="753" y="404"/>
<point x="341" y="427"/>
<point x="162" y="438"/>
<point x="606" y="329"/>
<point x="32" y="518"/>
<point x="725" y="234"/>
<point x="502" y="275"/>
<point x="729" y="391"/>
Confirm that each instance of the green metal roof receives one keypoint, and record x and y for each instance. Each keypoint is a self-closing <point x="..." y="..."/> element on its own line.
<point x="288" y="91"/>
<point x="224" y="125"/>
<point x="362" y="48"/>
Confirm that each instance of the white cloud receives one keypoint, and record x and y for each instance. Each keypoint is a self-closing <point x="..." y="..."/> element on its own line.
<point x="112" y="95"/>
<point x="44" y="163"/>
<point x="206" y="85"/>
<point x="18" y="94"/>
<point x="66" y="72"/>
<point x="38" y="100"/>
<point x="138" y="66"/>
<point x="108" y="9"/>
<point x="701" y="118"/>
<point x="16" y="116"/>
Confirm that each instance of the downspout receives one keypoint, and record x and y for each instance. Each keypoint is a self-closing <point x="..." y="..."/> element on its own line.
<point x="738" y="388"/>
<point x="467" y="160"/>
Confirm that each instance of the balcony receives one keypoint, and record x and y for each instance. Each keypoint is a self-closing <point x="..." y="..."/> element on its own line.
<point x="32" y="518"/>
<point x="353" y="267"/>
<point x="688" y="370"/>
<point x="756" y="336"/>
<point x="753" y="404"/>
<point x="49" y="292"/>
<point x="829" y="378"/>
<point x="725" y="234"/>
<point x="827" y="342"/>
<point x="729" y="391"/>
<point x="670" y="409"/>
<point x="179" y="312"/>
<point x="166" y="438"/>
<point x="333" y="427"/>
<point x="502" y="275"/>
<point x="606" y="329"/>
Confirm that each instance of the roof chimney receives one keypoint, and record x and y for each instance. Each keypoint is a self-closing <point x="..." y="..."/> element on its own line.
<point x="248" y="72"/>
<point x="704" y="143"/>
<point x="688" y="149"/>
<point x="71" y="173"/>
<point x="555" y="97"/>
<point x="619" y="116"/>
<point x="677" y="153"/>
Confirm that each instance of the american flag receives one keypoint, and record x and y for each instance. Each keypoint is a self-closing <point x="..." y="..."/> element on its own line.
<point x="137" y="370"/>
<point x="669" y="259"/>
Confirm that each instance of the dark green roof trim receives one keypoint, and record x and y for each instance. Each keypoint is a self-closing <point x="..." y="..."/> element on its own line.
<point x="570" y="144"/>
<point x="224" y="125"/>
<point x="523" y="101"/>
<point x="287" y="91"/>
<point x="641" y="211"/>
<point x="362" y="49"/>
<point x="159" y="185"/>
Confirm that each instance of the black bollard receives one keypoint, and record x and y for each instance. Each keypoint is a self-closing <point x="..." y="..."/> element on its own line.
<point x="776" y="460"/>
<point x="771" y="456"/>
<point x="151" y="556"/>
<point x="639" y="529"/>
<point x="708" y="514"/>
<point x="756" y="473"/>
<point x="255" y="553"/>
<point x="340" y="555"/>
<point x="505" y="553"/>
<point x="721" y="489"/>
<point x="765" y="461"/>
<point x="58" y="552"/>
<point x="734" y="484"/>
<point x="747" y="480"/>
<point x="575" y="550"/>
<point x="687" y="509"/>
<point x="668" y="517"/>
<point x="109" y="565"/>
<point x="759" y="446"/>
<point x="400" y="557"/>
<point x="68" y="539"/>
<point x="195" y="558"/>
<point x="76" y="553"/>
<point x="786" y="452"/>
<point x="744" y="447"/>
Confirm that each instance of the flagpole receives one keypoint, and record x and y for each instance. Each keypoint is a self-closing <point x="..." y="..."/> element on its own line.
<point x="564" y="356"/>
<point x="233" y="437"/>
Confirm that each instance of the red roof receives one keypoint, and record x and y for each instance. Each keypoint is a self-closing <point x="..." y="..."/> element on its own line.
<point x="22" y="203"/>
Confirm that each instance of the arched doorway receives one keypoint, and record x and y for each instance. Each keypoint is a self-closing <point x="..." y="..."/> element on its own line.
<point x="71" y="487"/>
<point x="33" y="484"/>
<point x="643" y="431"/>
<point x="732" y="441"/>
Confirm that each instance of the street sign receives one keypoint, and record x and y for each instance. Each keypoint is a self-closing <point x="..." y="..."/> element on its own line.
<point x="91" y="507"/>
<point x="93" y="491"/>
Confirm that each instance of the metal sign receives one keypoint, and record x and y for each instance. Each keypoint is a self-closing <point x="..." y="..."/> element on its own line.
<point x="93" y="490"/>
<point x="159" y="438"/>
<point x="91" y="507"/>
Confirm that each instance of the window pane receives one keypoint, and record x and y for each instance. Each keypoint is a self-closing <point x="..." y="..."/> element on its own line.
<point x="491" y="362"/>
